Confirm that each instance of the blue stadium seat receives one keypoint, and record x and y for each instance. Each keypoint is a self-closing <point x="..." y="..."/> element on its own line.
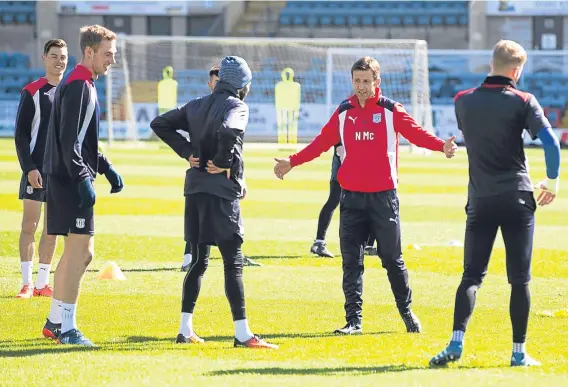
<point x="325" y="20"/>
<point x="367" y="20"/>
<point x="437" y="20"/>
<point x="423" y="20"/>
<point x="394" y="20"/>
<point x="353" y="20"/>
<point x="298" y="20"/>
<point x="380" y="20"/>
<point x="451" y="20"/>
<point x="7" y="18"/>
<point x="339" y="20"/>
<point x="285" y="20"/>
<point x="408" y="20"/>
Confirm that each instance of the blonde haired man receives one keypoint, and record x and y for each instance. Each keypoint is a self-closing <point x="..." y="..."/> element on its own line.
<point x="492" y="118"/>
<point x="72" y="161"/>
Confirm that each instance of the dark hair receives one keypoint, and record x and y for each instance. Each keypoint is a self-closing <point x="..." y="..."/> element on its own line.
<point x="214" y="71"/>
<point x="92" y="36"/>
<point x="59" y="43"/>
<point x="367" y="63"/>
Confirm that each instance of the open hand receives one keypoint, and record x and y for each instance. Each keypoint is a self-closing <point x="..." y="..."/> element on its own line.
<point x="213" y="169"/>
<point x="282" y="167"/>
<point x="548" y="192"/>
<point x="450" y="147"/>
<point x="34" y="178"/>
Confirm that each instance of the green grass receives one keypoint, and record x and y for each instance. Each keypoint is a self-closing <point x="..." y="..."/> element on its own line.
<point x="295" y="299"/>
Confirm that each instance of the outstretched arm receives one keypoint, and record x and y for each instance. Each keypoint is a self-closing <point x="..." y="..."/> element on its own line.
<point x="328" y="137"/>
<point x="405" y="124"/>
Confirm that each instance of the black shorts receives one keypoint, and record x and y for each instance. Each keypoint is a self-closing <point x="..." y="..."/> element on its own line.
<point x="512" y="212"/>
<point x="335" y="164"/>
<point x="64" y="215"/>
<point x="30" y="193"/>
<point x="210" y="219"/>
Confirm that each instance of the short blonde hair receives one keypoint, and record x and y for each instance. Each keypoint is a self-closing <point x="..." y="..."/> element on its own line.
<point x="508" y="54"/>
<point x="92" y="36"/>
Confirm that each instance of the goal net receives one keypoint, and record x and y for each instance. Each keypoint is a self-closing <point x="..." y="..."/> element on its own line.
<point x="319" y="68"/>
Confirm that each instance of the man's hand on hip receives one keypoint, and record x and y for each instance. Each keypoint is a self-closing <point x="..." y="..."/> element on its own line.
<point x="213" y="169"/>
<point x="193" y="161"/>
<point x="282" y="167"/>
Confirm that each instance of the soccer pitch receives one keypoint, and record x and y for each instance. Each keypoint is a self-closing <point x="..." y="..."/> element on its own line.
<point x="295" y="299"/>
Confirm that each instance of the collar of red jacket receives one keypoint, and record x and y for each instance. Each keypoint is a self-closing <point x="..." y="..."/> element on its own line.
<point x="374" y="99"/>
<point x="84" y="72"/>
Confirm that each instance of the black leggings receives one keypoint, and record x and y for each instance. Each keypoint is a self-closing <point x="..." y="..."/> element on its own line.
<point x="233" y="267"/>
<point x="328" y="208"/>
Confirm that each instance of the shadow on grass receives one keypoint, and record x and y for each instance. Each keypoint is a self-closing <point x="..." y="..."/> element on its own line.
<point x="155" y="269"/>
<point x="254" y="257"/>
<point x="25" y="352"/>
<point x="32" y="347"/>
<point x="147" y="339"/>
<point x="316" y="371"/>
<point x="346" y="370"/>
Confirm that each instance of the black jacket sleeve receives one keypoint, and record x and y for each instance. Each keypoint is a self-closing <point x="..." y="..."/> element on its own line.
<point x="23" y="134"/>
<point x="234" y="124"/>
<point x="166" y="126"/>
<point x="75" y="96"/>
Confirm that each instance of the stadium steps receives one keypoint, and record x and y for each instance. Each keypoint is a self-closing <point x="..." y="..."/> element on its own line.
<point x="259" y="19"/>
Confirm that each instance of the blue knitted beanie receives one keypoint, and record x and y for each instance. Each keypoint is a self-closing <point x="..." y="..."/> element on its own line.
<point x="235" y="71"/>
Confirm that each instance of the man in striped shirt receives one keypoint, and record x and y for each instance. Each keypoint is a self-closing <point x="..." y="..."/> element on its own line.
<point x="72" y="161"/>
<point x="30" y="135"/>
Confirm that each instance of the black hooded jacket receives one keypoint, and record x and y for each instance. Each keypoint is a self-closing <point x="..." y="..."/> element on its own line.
<point x="214" y="127"/>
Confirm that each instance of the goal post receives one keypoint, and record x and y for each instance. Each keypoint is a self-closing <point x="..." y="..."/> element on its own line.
<point x="320" y="67"/>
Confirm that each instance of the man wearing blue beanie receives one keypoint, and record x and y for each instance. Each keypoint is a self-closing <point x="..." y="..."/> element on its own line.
<point x="215" y="125"/>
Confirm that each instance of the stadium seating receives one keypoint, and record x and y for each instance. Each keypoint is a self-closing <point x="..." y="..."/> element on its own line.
<point x="374" y="13"/>
<point x="17" y="12"/>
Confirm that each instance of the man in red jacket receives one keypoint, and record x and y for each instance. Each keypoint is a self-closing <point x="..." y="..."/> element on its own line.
<point x="368" y="125"/>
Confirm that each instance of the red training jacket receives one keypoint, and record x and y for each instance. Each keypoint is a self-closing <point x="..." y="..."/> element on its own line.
<point x="370" y="139"/>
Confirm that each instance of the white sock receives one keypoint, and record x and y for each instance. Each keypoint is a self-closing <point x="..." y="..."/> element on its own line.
<point x="186" y="259"/>
<point x="27" y="271"/>
<point x="242" y="330"/>
<point x="42" y="275"/>
<point x="319" y="241"/>
<point x="68" y="317"/>
<point x="458" y="336"/>
<point x="55" y="311"/>
<point x="519" y="347"/>
<point x="186" y="325"/>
